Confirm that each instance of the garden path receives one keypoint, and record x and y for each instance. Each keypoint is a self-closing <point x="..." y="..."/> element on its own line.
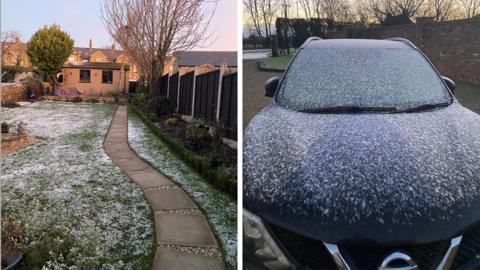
<point x="184" y="238"/>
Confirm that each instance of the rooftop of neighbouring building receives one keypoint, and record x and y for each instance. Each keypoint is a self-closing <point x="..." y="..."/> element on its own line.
<point x="214" y="58"/>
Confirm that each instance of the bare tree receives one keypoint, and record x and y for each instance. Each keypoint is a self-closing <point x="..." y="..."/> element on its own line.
<point x="268" y="11"/>
<point x="312" y="8"/>
<point x="440" y="9"/>
<point x="6" y="38"/>
<point x="362" y="12"/>
<point x="253" y="11"/>
<point x="471" y="7"/>
<point x="149" y="31"/>
<point x="382" y="8"/>
<point x="334" y="9"/>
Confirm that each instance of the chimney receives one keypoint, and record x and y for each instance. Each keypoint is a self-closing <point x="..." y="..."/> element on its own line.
<point x="17" y="40"/>
<point x="113" y="47"/>
<point x="90" y="44"/>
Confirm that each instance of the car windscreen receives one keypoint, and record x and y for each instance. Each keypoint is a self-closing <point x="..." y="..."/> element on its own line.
<point x="374" y="78"/>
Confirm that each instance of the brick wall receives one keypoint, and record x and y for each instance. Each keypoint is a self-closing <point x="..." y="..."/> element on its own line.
<point x="452" y="46"/>
<point x="12" y="92"/>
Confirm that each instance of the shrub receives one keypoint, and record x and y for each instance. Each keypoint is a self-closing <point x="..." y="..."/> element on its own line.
<point x="33" y="87"/>
<point x="77" y="99"/>
<point x="52" y="245"/>
<point x="5" y="127"/>
<point x="196" y="133"/>
<point x="164" y="107"/>
<point x="12" y="237"/>
<point x="172" y="121"/>
<point x="92" y="100"/>
<point x="10" y="104"/>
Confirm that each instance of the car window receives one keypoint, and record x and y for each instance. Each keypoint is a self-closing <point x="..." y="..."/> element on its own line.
<point x="364" y="77"/>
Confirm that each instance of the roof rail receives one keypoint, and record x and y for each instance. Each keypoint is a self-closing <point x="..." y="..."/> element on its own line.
<point x="308" y="40"/>
<point x="403" y="40"/>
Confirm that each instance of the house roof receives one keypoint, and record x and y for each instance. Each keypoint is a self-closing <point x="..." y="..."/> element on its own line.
<point x="96" y="65"/>
<point x="22" y="45"/>
<point x="214" y="58"/>
<point x="85" y="53"/>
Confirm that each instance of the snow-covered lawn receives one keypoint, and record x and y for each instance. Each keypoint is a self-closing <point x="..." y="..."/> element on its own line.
<point x="66" y="187"/>
<point x="220" y="209"/>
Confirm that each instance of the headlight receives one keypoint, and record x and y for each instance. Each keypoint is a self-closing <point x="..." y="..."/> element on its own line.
<point x="258" y="242"/>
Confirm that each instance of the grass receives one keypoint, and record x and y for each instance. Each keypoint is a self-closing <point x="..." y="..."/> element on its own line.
<point x="219" y="208"/>
<point x="276" y="63"/>
<point x="75" y="206"/>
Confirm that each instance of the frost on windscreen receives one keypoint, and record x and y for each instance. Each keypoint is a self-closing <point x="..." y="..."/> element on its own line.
<point x="366" y="77"/>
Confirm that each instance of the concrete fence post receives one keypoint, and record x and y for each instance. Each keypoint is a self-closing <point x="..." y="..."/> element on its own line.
<point x="195" y="72"/>
<point x="178" y="93"/>
<point x="219" y="94"/>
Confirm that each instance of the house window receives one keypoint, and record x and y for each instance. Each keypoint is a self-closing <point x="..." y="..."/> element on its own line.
<point x="84" y="75"/>
<point x="107" y="76"/>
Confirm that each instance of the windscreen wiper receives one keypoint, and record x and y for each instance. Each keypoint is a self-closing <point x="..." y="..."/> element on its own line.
<point x="349" y="109"/>
<point x="424" y="107"/>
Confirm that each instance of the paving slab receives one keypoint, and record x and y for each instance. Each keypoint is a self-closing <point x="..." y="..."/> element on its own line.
<point x="114" y="140"/>
<point x="183" y="230"/>
<point x="149" y="179"/>
<point x="125" y="154"/>
<point x="132" y="164"/>
<point x="172" y="259"/>
<point x="162" y="199"/>
<point x="114" y="147"/>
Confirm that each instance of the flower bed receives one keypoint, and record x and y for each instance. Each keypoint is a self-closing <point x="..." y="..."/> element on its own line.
<point x="75" y="206"/>
<point x="223" y="180"/>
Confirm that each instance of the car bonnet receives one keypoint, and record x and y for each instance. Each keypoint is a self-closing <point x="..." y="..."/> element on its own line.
<point x="388" y="178"/>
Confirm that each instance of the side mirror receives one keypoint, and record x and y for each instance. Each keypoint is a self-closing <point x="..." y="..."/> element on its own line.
<point x="450" y="83"/>
<point x="271" y="86"/>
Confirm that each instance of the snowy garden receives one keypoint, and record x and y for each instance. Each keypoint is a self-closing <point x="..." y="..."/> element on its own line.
<point x="75" y="209"/>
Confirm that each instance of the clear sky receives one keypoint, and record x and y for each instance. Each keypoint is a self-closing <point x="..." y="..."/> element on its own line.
<point x="82" y="20"/>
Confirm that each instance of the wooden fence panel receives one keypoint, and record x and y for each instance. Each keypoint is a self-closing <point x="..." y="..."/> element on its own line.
<point x="206" y="95"/>
<point x="186" y="93"/>
<point x="228" y="105"/>
<point x="163" y="86"/>
<point x="173" y="89"/>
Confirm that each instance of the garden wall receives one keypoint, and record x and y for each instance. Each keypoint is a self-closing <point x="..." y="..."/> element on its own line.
<point x="452" y="46"/>
<point x="12" y="92"/>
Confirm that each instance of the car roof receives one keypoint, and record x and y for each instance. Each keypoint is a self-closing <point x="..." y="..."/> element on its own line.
<point x="357" y="43"/>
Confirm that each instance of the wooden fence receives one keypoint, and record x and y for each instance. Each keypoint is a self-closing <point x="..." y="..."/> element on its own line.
<point x="228" y="105"/>
<point x="211" y="96"/>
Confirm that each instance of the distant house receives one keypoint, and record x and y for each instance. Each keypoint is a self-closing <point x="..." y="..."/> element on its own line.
<point x="92" y="78"/>
<point x="203" y="61"/>
<point x="15" y="54"/>
<point x="89" y="70"/>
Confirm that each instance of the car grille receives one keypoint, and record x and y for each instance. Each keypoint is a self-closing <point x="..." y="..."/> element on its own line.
<point x="469" y="249"/>
<point x="312" y="254"/>
<point x="307" y="252"/>
<point x="427" y="256"/>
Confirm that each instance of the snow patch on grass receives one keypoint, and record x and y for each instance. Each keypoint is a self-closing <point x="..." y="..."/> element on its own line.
<point x="68" y="186"/>
<point x="220" y="209"/>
